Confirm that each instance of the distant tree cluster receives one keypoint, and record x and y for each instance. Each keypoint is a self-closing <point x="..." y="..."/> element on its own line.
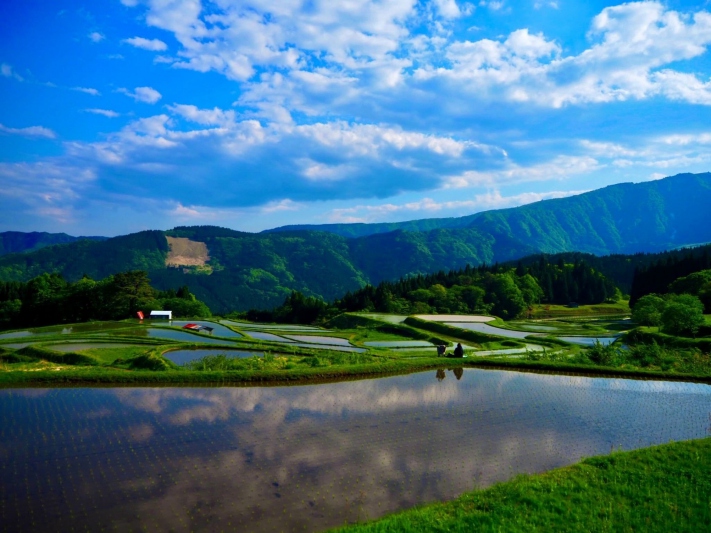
<point x="658" y="277"/>
<point x="500" y="290"/>
<point x="676" y="314"/>
<point x="50" y="299"/>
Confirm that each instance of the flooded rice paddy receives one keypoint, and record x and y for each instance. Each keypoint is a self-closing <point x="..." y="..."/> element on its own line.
<point x="311" y="457"/>
<point x="588" y="341"/>
<point x="171" y="334"/>
<point x="265" y="336"/>
<point x="314" y="339"/>
<point x="267" y="327"/>
<point x="491" y="330"/>
<point x="219" y="330"/>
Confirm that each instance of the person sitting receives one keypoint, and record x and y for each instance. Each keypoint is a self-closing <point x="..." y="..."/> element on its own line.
<point x="441" y="348"/>
<point x="459" y="351"/>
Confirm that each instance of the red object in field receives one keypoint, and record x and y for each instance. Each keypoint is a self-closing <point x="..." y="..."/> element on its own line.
<point x="191" y="326"/>
<point x="140" y="314"/>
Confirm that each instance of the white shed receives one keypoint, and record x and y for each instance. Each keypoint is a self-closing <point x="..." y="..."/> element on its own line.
<point x="162" y="314"/>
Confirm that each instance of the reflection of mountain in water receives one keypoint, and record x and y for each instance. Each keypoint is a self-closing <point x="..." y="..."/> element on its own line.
<point x="311" y="457"/>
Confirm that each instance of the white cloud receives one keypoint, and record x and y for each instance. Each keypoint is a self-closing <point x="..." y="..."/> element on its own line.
<point x="153" y="45"/>
<point x="96" y="37"/>
<point x="87" y="90"/>
<point x="147" y="95"/>
<point x="281" y="205"/>
<point x="8" y="72"/>
<point x="206" y="117"/>
<point x="361" y="56"/>
<point x="31" y="131"/>
<point x="428" y="207"/>
<point x="105" y="112"/>
<point x="561" y="167"/>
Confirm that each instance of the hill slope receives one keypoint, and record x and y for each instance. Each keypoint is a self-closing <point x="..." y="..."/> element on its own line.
<point x="246" y="270"/>
<point x="623" y="218"/>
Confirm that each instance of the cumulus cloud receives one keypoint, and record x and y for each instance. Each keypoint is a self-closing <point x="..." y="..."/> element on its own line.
<point x="147" y="95"/>
<point x="366" y="58"/>
<point x="31" y="131"/>
<point x="154" y="45"/>
<point x="96" y="37"/>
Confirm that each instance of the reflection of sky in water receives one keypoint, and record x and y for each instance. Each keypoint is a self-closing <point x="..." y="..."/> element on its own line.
<point x="491" y="330"/>
<point x="315" y="339"/>
<point x="311" y="457"/>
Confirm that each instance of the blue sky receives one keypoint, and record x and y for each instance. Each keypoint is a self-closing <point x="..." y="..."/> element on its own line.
<point x="124" y="115"/>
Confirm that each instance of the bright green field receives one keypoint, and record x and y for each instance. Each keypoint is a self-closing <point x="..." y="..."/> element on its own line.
<point x="659" y="489"/>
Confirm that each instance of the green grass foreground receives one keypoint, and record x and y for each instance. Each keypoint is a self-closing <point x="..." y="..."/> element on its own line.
<point x="659" y="489"/>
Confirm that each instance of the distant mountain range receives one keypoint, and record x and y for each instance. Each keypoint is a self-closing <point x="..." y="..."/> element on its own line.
<point x="247" y="270"/>
<point x="17" y="242"/>
<point x="624" y="218"/>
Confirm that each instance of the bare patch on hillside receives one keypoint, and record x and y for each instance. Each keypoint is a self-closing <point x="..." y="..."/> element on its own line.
<point x="184" y="252"/>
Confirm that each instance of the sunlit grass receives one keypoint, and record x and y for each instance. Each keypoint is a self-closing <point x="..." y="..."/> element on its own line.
<point x="663" y="488"/>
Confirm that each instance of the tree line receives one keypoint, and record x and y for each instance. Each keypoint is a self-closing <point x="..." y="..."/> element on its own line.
<point x="50" y="299"/>
<point x="657" y="277"/>
<point x="500" y="290"/>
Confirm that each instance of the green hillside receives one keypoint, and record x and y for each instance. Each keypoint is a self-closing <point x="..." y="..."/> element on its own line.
<point x="247" y="270"/>
<point x="624" y="218"/>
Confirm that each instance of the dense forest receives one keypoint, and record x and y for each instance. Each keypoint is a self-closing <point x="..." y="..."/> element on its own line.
<point x="658" y="276"/>
<point x="500" y="290"/>
<point x="50" y="299"/>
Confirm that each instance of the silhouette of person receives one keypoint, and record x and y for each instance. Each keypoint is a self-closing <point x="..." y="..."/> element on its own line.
<point x="459" y="372"/>
<point x="440" y="374"/>
<point x="459" y="351"/>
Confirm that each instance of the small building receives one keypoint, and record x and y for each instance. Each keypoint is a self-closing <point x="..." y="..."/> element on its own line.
<point x="168" y="315"/>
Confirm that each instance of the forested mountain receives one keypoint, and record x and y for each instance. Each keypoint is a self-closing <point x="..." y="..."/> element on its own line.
<point x="240" y="271"/>
<point x="624" y="218"/>
<point x="18" y="242"/>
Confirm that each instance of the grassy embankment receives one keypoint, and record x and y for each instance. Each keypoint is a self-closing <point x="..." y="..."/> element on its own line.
<point x="541" y="311"/>
<point x="658" y="489"/>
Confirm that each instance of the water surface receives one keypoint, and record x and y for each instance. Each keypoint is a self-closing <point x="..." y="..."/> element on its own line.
<point x="218" y="329"/>
<point x="171" y="334"/>
<point x="491" y="330"/>
<point x="314" y="339"/>
<point x="311" y="457"/>
<point x="588" y="341"/>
